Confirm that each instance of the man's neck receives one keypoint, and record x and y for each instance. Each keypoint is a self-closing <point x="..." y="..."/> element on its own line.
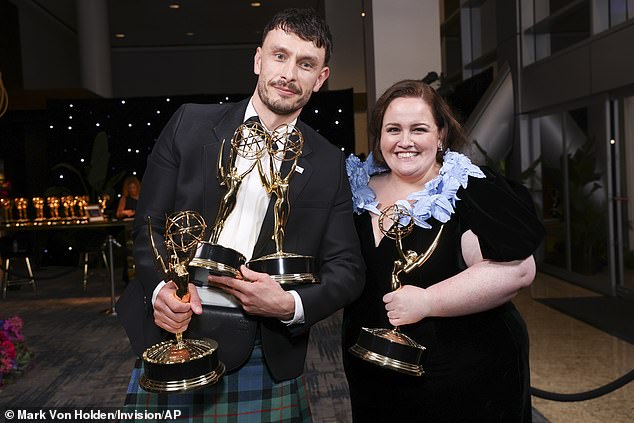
<point x="270" y="119"/>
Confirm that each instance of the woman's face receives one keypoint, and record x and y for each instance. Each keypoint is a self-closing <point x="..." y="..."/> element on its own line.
<point x="409" y="139"/>
<point x="133" y="189"/>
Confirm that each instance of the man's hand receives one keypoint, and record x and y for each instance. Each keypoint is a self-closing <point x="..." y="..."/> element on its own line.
<point x="258" y="293"/>
<point x="173" y="314"/>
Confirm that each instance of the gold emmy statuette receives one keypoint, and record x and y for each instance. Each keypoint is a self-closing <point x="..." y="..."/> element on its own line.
<point x="389" y="347"/>
<point x="82" y="201"/>
<point x="248" y="143"/>
<point x="38" y="205"/>
<point x="103" y="202"/>
<point x="7" y="210"/>
<point x="180" y="365"/>
<point x="53" y="207"/>
<point x="284" y="145"/>
<point x="67" y="202"/>
<point x="21" y="204"/>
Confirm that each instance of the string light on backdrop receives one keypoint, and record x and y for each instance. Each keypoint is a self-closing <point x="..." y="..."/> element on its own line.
<point x="133" y="125"/>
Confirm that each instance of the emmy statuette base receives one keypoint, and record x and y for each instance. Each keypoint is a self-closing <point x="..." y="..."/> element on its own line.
<point x="219" y="260"/>
<point x="197" y="367"/>
<point x="286" y="269"/>
<point x="390" y="349"/>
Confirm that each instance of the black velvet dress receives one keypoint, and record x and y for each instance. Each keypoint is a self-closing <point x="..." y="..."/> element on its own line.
<point x="476" y="366"/>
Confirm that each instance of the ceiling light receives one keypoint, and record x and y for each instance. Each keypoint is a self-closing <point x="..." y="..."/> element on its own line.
<point x="119" y="35"/>
<point x="174" y="6"/>
<point x="189" y="34"/>
<point x="256" y="4"/>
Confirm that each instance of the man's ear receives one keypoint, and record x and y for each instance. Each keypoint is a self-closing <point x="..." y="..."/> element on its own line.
<point x="257" y="61"/>
<point x="323" y="75"/>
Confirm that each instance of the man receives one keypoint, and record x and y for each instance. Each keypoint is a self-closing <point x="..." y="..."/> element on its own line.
<point x="262" y="329"/>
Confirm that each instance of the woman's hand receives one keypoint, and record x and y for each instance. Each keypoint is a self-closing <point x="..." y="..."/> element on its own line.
<point x="408" y="304"/>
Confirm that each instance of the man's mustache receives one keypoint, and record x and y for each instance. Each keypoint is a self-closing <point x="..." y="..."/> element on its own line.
<point x="286" y="85"/>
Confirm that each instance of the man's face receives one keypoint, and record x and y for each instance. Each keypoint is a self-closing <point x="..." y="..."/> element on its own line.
<point x="289" y="70"/>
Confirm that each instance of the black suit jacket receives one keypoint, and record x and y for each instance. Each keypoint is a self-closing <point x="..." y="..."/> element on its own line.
<point x="181" y="175"/>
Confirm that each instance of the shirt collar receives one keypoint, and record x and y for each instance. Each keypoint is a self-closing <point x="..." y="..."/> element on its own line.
<point x="250" y="112"/>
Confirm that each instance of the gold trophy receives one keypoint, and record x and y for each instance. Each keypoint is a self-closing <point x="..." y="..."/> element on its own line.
<point x="389" y="347"/>
<point x="38" y="205"/>
<point x="180" y="365"/>
<point x="284" y="145"/>
<point x="7" y="210"/>
<point x="21" y="205"/>
<point x="248" y="143"/>
<point x="53" y="207"/>
<point x="103" y="202"/>
<point x="68" y="202"/>
<point x="82" y="202"/>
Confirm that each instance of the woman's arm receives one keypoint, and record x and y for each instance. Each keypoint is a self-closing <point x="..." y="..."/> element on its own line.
<point x="485" y="284"/>
<point x="121" y="211"/>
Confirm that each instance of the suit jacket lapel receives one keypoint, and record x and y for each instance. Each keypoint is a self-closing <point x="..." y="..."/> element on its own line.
<point x="222" y="131"/>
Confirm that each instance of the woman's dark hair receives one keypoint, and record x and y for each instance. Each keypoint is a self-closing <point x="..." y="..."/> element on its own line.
<point x="306" y="24"/>
<point x="451" y="135"/>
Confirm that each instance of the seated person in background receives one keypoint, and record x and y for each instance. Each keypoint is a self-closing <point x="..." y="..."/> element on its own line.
<point x="129" y="197"/>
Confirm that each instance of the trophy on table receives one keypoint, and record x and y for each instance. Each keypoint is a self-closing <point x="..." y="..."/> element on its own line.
<point x="21" y="205"/>
<point x="7" y="210"/>
<point x="38" y="205"/>
<point x="81" y="201"/>
<point x="103" y="202"/>
<point x="180" y="365"/>
<point x="391" y="348"/>
<point x="284" y="145"/>
<point x="248" y="143"/>
<point x="53" y="207"/>
<point x="68" y="202"/>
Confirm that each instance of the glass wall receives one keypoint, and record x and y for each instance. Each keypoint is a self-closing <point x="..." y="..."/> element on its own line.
<point x="574" y="193"/>
<point x="549" y="26"/>
<point x="624" y="196"/>
<point x="585" y="184"/>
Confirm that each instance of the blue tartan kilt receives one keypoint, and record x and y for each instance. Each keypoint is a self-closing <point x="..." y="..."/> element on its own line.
<point x="247" y="395"/>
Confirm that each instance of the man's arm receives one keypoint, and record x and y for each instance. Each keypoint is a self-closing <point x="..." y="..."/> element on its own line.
<point x="342" y="269"/>
<point x="341" y="273"/>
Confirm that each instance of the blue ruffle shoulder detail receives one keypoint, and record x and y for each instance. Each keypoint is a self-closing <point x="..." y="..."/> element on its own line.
<point x="437" y="199"/>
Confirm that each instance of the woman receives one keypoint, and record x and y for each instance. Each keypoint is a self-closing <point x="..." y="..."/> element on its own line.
<point x="129" y="198"/>
<point x="456" y="304"/>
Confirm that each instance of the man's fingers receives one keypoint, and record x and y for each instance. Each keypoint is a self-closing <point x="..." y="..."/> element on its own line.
<point x="194" y="300"/>
<point x="230" y="285"/>
<point x="249" y="274"/>
<point x="171" y="325"/>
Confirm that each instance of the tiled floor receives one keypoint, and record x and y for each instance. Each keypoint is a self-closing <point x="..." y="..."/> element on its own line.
<point x="569" y="356"/>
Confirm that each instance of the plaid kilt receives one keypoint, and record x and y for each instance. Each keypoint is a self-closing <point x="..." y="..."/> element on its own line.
<point x="243" y="396"/>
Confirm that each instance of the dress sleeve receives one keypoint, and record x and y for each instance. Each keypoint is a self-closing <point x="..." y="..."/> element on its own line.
<point x="502" y="215"/>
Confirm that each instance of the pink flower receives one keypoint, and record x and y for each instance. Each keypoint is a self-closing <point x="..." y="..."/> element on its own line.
<point x="14" y="354"/>
<point x="13" y="326"/>
<point x="8" y="349"/>
<point x="6" y="365"/>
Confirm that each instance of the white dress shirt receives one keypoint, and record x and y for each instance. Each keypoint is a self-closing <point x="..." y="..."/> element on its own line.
<point x="242" y="229"/>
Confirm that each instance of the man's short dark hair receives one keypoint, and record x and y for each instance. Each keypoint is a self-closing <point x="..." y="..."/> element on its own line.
<point x="306" y="24"/>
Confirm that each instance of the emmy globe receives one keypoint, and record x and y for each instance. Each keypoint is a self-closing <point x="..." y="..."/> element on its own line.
<point x="180" y="365"/>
